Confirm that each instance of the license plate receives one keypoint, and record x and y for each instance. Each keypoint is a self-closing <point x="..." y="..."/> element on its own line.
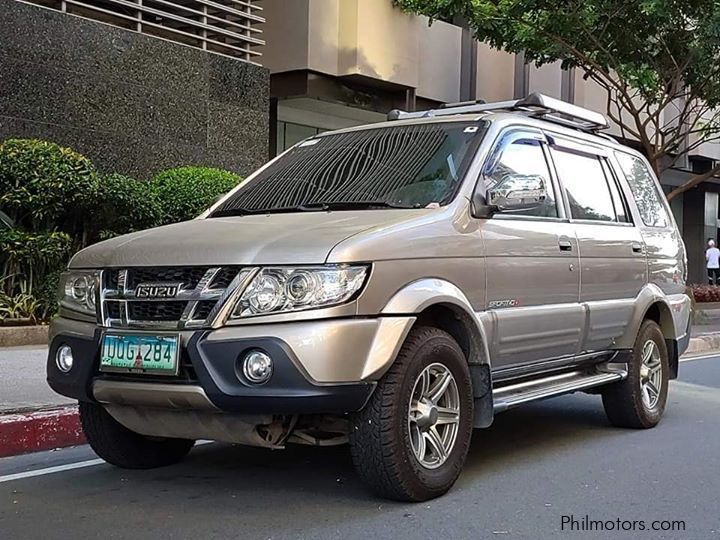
<point x="139" y="354"/>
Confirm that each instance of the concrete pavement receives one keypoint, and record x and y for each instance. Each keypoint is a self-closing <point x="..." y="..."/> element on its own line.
<point x="534" y="466"/>
<point x="22" y="380"/>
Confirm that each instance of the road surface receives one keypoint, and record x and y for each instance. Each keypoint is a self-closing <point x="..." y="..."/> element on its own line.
<point x="529" y="476"/>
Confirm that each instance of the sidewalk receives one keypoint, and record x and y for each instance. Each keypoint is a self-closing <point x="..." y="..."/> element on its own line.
<point x="22" y="380"/>
<point x="32" y="416"/>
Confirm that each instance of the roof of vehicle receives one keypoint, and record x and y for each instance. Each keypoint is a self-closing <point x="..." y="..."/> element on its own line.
<point x="536" y="110"/>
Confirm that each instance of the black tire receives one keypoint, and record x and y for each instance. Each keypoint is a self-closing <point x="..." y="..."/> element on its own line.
<point x="380" y="433"/>
<point x="121" y="447"/>
<point x="623" y="401"/>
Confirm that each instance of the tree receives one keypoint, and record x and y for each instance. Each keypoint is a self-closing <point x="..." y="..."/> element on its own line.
<point x="658" y="60"/>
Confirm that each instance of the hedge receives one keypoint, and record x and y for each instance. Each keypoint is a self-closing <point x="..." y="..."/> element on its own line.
<point x="183" y="193"/>
<point x="44" y="186"/>
<point x="59" y="203"/>
<point x="127" y="205"/>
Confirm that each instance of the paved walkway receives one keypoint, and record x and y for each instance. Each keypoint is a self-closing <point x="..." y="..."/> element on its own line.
<point x="22" y="380"/>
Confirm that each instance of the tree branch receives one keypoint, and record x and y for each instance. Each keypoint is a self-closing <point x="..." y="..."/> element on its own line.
<point x="693" y="182"/>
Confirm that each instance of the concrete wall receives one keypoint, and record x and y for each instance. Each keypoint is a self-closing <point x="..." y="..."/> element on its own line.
<point x="132" y="103"/>
<point x="369" y="38"/>
<point x="495" y="74"/>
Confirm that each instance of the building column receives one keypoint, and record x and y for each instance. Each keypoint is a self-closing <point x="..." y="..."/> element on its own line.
<point x="521" y="85"/>
<point x="700" y="222"/>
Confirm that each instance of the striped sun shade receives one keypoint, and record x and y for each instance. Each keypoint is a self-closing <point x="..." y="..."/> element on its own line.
<point x="356" y="166"/>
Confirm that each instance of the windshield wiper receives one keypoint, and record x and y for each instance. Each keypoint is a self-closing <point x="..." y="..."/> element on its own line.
<point x="352" y="205"/>
<point x="229" y="212"/>
<point x="310" y="207"/>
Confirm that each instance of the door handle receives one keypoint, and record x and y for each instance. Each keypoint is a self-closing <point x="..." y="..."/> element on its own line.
<point x="565" y="245"/>
<point x="637" y="248"/>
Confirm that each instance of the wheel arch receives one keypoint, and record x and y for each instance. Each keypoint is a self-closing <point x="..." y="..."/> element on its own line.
<point x="441" y="304"/>
<point x="652" y="305"/>
<point x="444" y="305"/>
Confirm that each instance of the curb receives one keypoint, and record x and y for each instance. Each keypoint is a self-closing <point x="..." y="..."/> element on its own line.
<point x="14" y="336"/>
<point x="33" y="431"/>
<point x="704" y="343"/>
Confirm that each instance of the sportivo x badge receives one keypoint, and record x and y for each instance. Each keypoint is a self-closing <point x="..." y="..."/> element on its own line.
<point x="497" y="304"/>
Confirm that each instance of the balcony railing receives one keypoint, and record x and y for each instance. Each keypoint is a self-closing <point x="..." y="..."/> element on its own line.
<point x="228" y="27"/>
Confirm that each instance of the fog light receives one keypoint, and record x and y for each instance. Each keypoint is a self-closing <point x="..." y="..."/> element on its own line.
<point x="257" y="366"/>
<point x="64" y="358"/>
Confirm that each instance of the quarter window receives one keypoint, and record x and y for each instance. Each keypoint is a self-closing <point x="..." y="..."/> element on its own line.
<point x="644" y="190"/>
<point x="586" y="185"/>
<point x="522" y="157"/>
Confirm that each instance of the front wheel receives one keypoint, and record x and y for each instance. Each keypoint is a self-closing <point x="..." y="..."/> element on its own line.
<point x="124" y="448"/>
<point x="639" y="400"/>
<point x="410" y="441"/>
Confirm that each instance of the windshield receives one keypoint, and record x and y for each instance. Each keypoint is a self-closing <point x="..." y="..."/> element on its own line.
<point x="411" y="166"/>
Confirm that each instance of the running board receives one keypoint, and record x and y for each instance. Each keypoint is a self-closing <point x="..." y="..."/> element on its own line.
<point x="505" y="397"/>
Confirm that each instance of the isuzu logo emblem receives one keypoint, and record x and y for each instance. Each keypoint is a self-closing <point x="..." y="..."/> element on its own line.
<point x="157" y="290"/>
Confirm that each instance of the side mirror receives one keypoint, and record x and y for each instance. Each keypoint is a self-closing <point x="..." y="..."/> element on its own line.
<point x="517" y="192"/>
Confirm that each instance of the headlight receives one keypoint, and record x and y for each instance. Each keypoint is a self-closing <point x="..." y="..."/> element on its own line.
<point x="276" y="290"/>
<point x="78" y="290"/>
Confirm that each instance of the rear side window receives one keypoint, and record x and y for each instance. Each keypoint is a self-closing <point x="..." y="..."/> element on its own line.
<point x="644" y="190"/>
<point x="587" y="186"/>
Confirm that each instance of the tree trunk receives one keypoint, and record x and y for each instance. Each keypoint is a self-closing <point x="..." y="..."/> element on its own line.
<point x="693" y="182"/>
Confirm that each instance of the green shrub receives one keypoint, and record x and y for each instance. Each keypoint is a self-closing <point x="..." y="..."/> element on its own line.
<point x="44" y="186"/>
<point x="46" y="292"/>
<point x="21" y="307"/>
<point x="31" y="264"/>
<point x="27" y="258"/>
<point x="126" y="205"/>
<point x="183" y="193"/>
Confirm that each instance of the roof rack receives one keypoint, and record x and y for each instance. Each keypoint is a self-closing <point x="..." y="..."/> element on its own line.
<point x="535" y="105"/>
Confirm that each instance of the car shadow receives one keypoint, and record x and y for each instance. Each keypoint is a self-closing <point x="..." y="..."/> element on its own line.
<point x="539" y="428"/>
<point x="268" y="493"/>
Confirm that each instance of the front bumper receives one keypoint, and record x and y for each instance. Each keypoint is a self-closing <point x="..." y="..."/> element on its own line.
<point x="322" y="366"/>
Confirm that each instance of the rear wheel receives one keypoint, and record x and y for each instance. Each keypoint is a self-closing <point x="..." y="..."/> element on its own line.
<point x="639" y="400"/>
<point x="411" y="440"/>
<point x="124" y="448"/>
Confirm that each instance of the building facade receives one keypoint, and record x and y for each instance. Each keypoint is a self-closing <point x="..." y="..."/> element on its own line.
<point x="142" y="85"/>
<point x="137" y="89"/>
<point x="338" y="63"/>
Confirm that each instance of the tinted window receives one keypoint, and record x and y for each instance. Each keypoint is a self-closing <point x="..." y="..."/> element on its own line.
<point x="619" y="201"/>
<point x="644" y="190"/>
<point x="410" y="166"/>
<point x="522" y="157"/>
<point x="586" y="186"/>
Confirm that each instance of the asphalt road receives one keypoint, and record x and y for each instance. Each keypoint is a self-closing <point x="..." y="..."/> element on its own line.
<point x="535" y="465"/>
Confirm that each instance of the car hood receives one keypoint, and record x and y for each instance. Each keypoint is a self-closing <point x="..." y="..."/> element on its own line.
<point x="299" y="238"/>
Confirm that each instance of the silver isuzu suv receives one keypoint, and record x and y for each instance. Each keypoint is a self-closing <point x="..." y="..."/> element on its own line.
<point x="392" y="286"/>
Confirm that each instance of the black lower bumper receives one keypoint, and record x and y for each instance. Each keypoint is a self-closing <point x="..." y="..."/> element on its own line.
<point x="214" y="366"/>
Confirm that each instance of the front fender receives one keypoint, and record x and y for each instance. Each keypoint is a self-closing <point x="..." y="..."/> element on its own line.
<point x="430" y="292"/>
<point x="419" y="295"/>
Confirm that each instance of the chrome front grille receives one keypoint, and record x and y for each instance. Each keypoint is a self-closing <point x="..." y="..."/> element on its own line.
<point x="199" y="295"/>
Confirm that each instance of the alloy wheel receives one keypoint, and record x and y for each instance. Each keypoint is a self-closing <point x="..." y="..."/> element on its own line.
<point x="434" y="415"/>
<point x="651" y="379"/>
